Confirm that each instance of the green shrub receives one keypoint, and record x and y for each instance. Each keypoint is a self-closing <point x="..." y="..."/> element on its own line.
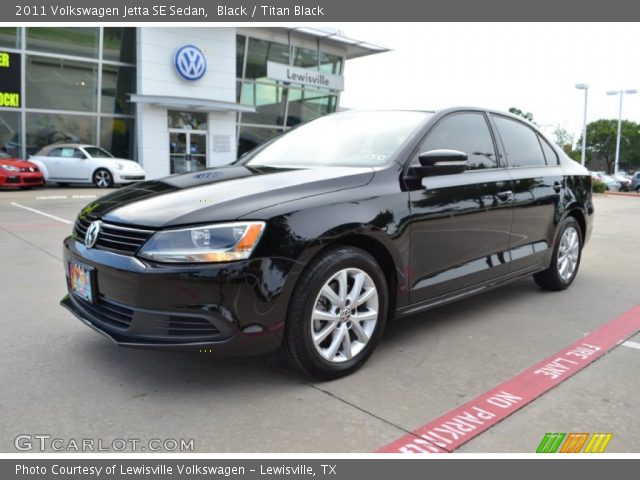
<point x="599" y="187"/>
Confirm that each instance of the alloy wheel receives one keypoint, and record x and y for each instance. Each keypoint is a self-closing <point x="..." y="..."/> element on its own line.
<point x="102" y="178"/>
<point x="344" y="316"/>
<point x="568" y="253"/>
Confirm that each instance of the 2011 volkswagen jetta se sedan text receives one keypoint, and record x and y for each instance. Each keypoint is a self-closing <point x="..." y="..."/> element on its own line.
<point x="312" y="242"/>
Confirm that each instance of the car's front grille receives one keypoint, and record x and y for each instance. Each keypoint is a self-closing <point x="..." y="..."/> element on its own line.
<point x="13" y="179"/>
<point x="32" y="180"/>
<point x="115" y="238"/>
<point x="190" y="327"/>
<point x="164" y="327"/>
<point x="107" y="312"/>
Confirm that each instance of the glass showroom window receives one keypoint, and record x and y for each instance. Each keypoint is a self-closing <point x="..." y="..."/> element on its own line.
<point x="119" y="44"/>
<point x="9" y="134"/>
<point x="261" y="51"/>
<point x="330" y="63"/>
<point x="60" y="84"/>
<point x="75" y="41"/>
<point x="117" y="82"/>
<point x="269" y="101"/>
<point x="307" y="104"/>
<point x="116" y="136"/>
<point x="46" y="128"/>
<point x="251" y="137"/>
<point x="9" y="37"/>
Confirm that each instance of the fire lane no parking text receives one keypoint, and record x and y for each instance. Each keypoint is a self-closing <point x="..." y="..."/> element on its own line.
<point x="456" y="427"/>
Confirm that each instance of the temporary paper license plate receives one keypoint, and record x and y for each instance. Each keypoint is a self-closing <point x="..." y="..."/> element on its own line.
<point x="80" y="280"/>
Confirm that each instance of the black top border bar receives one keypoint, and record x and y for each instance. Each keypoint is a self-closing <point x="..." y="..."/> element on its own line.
<point x="298" y="11"/>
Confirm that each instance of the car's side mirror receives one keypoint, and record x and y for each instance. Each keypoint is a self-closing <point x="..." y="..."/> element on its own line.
<point x="440" y="162"/>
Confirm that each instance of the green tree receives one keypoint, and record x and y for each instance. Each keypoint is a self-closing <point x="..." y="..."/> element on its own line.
<point x="565" y="141"/>
<point x="525" y="115"/>
<point x="601" y="141"/>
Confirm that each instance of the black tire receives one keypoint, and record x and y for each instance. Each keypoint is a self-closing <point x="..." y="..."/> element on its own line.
<point x="638" y="189"/>
<point x="298" y="345"/>
<point x="25" y="188"/>
<point x="552" y="278"/>
<point x="102" y="178"/>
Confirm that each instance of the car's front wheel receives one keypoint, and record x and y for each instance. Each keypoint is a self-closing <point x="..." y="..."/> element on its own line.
<point x="102" y="178"/>
<point x="337" y="313"/>
<point x="566" y="258"/>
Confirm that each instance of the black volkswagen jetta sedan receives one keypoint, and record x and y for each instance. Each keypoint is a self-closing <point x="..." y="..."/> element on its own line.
<point x="312" y="242"/>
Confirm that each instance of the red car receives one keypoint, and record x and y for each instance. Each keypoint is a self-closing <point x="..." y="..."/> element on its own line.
<point x="19" y="173"/>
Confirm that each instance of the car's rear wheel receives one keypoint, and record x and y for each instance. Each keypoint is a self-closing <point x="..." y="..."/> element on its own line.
<point x="102" y="178"/>
<point x="566" y="258"/>
<point x="638" y="189"/>
<point x="337" y="314"/>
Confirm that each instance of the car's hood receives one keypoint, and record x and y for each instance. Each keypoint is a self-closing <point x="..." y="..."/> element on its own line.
<point x="220" y="194"/>
<point x="18" y="163"/>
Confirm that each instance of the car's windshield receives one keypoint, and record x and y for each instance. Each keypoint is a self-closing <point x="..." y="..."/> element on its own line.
<point x="347" y="139"/>
<point x="97" y="152"/>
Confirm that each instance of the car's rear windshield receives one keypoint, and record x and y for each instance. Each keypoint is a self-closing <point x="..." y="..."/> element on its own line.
<point x="97" y="152"/>
<point x="347" y="139"/>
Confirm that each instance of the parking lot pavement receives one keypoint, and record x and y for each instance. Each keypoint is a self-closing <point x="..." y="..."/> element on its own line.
<point x="63" y="379"/>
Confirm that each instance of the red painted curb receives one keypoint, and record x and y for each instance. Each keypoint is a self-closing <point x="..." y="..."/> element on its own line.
<point x="458" y="426"/>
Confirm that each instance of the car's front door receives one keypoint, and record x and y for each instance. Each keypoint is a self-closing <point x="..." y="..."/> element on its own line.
<point x="461" y="222"/>
<point x="67" y="163"/>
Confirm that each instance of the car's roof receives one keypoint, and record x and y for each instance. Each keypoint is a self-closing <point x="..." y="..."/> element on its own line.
<point x="68" y="145"/>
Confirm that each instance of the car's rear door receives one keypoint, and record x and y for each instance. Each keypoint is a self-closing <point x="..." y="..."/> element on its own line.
<point x="538" y="184"/>
<point x="461" y="223"/>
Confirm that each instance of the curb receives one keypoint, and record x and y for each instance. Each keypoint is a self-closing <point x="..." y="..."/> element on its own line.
<point x="623" y="194"/>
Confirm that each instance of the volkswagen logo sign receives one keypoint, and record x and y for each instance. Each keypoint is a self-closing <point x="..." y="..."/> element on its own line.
<point x="91" y="237"/>
<point x="190" y="62"/>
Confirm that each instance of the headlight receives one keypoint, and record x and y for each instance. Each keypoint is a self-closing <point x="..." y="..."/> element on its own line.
<point x="209" y="243"/>
<point x="10" y="168"/>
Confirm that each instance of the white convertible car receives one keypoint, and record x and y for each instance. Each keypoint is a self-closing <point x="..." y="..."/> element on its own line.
<point x="79" y="163"/>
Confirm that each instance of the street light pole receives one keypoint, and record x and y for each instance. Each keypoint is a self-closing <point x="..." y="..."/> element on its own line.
<point x="621" y="93"/>
<point x="585" y="87"/>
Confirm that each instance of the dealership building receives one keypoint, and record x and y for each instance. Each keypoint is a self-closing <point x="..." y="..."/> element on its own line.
<point x="173" y="99"/>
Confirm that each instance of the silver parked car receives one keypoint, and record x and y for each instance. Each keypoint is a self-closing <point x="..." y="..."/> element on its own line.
<point x="66" y="163"/>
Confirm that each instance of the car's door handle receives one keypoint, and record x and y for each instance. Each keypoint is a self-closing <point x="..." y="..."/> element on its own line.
<point x="557" y="186"/>
<point x="505" y="195"/>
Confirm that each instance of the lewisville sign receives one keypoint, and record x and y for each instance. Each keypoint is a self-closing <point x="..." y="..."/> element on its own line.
<point x="304" y="76"/>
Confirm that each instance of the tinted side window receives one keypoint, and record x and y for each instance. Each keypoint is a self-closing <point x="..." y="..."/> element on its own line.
<point x="549" y="153"/>
<point x="56" y="152"/>
<point x="466" y="132"/>
<point x="520" y="143"/>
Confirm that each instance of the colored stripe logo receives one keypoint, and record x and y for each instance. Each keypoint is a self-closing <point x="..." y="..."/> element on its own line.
<point x="574" y="442"/>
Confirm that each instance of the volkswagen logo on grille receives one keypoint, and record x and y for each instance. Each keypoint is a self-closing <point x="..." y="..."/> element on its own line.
<point x="190" y="62"/>
<point x="91" y="237"/>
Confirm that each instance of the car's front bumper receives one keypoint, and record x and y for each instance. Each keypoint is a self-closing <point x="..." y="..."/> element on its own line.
<point x="22" y="179"/>
<point x="128" y="177"/>
<point x="234" y="309"/>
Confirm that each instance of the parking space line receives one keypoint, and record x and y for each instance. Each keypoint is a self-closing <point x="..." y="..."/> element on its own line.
<point x="631" y="344"/>
<point x="44" y="214"/>
<point x="64" y="197"/>
<point x="458" y="426"/>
